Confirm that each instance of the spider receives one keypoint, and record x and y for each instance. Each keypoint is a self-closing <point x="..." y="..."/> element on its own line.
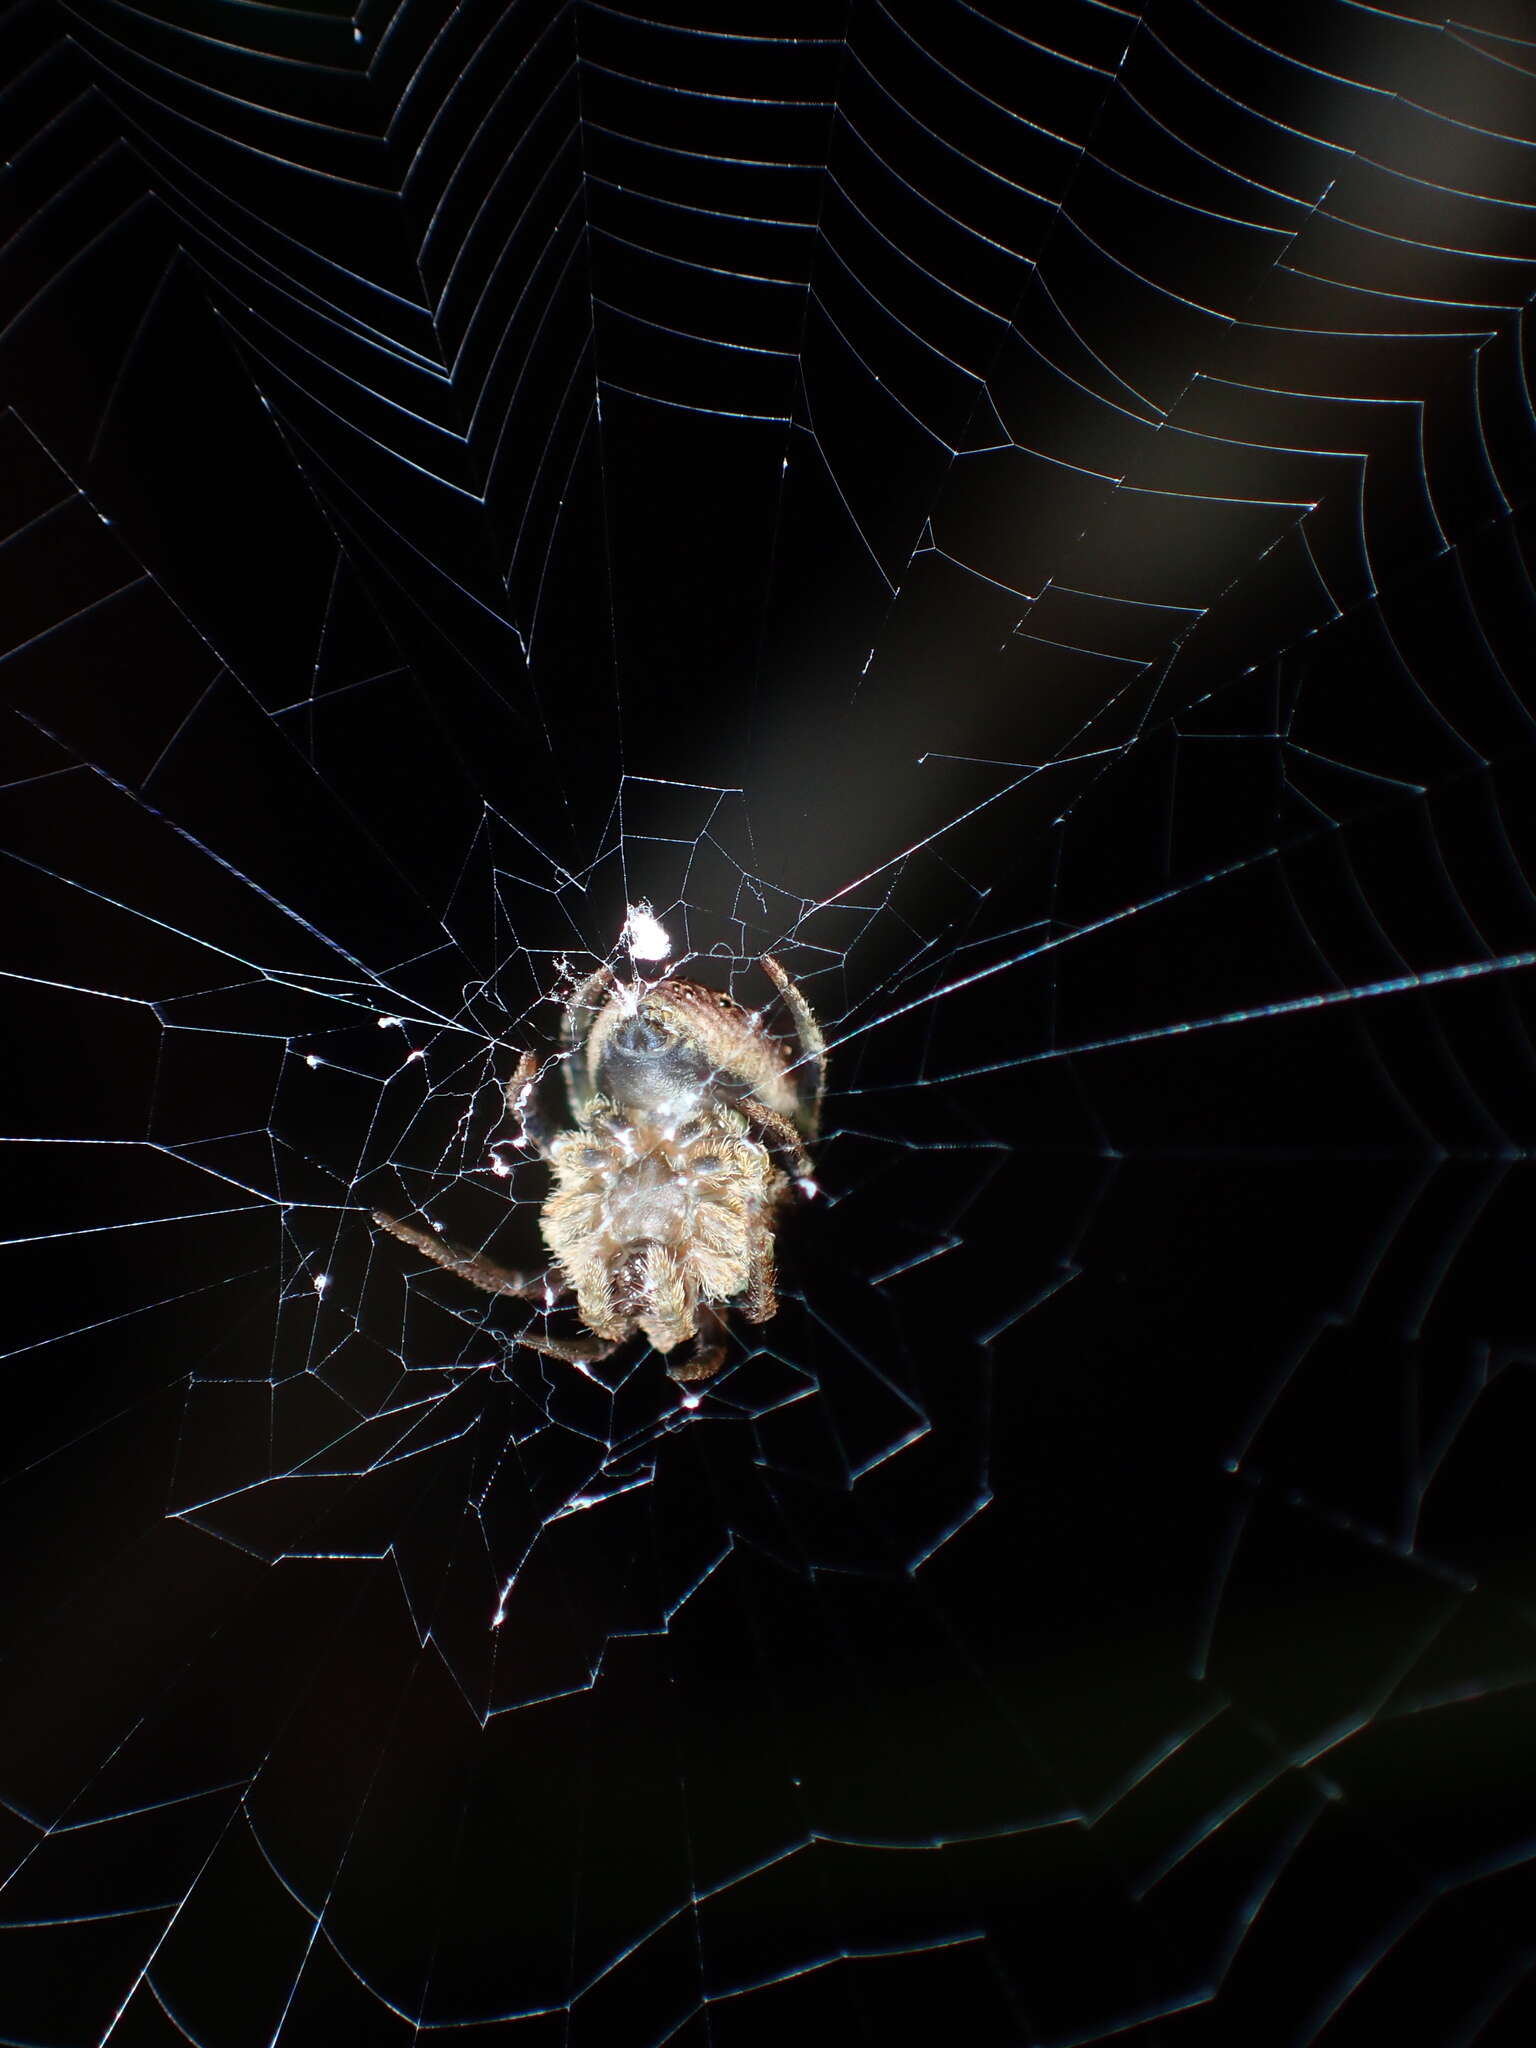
<point x="690" y="1126"/>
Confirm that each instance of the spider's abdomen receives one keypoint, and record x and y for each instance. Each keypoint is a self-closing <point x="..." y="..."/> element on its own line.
<point x="652" y="1074"/>
<point x="662" y="1055"/>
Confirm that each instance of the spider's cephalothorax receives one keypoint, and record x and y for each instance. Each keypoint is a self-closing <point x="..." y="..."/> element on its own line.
<point x="689" y="1127"/>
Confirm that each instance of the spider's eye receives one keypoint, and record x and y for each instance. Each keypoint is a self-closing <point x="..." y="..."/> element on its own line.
<point x="706" y="1162"/>
<point x="590" y="1156"/>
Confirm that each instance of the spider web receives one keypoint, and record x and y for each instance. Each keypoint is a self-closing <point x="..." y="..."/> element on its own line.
<point x="1027" y="523"/>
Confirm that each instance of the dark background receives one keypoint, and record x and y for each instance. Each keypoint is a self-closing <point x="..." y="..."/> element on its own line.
<point x="1028" y="517"/>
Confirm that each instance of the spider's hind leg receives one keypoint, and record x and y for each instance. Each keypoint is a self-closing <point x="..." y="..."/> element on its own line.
<point x="547" y="1285"/>
<point x="706" y="1354"/>
<point x="573" y="1350"/>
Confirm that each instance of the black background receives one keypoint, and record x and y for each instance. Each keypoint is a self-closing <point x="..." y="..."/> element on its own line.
<point x="1029" y="520"/>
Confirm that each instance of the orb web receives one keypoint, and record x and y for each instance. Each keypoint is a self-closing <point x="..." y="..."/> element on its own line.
<point x="1032" y="529"/>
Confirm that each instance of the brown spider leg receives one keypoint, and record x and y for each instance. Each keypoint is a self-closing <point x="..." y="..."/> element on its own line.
<point x="812" y="1064"/>
<point x="574" y="1350"/>
<point x="760" y="1304"/>
<point x="490" y="1278"/>
<point x="535" y="1127"/>
<point x="573" y="1040"/>
<point x="474" y="1267"/>
<point x="707" y="1356"/>
<point x="780" y="1136"/>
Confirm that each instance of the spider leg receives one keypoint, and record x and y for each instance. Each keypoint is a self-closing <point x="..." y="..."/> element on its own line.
<point x="485" y="1274"/>
<point x="574" y="1350"/>
<point x="575" y="1028"/>
<point x="810" y="1069"/>
<point x="782" y="1140"/>
<point x="760" y="1304"/>
<point x="535" y="1126"/>
<point x="474" y="1267"/>
<point x="707" y="1354"/>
